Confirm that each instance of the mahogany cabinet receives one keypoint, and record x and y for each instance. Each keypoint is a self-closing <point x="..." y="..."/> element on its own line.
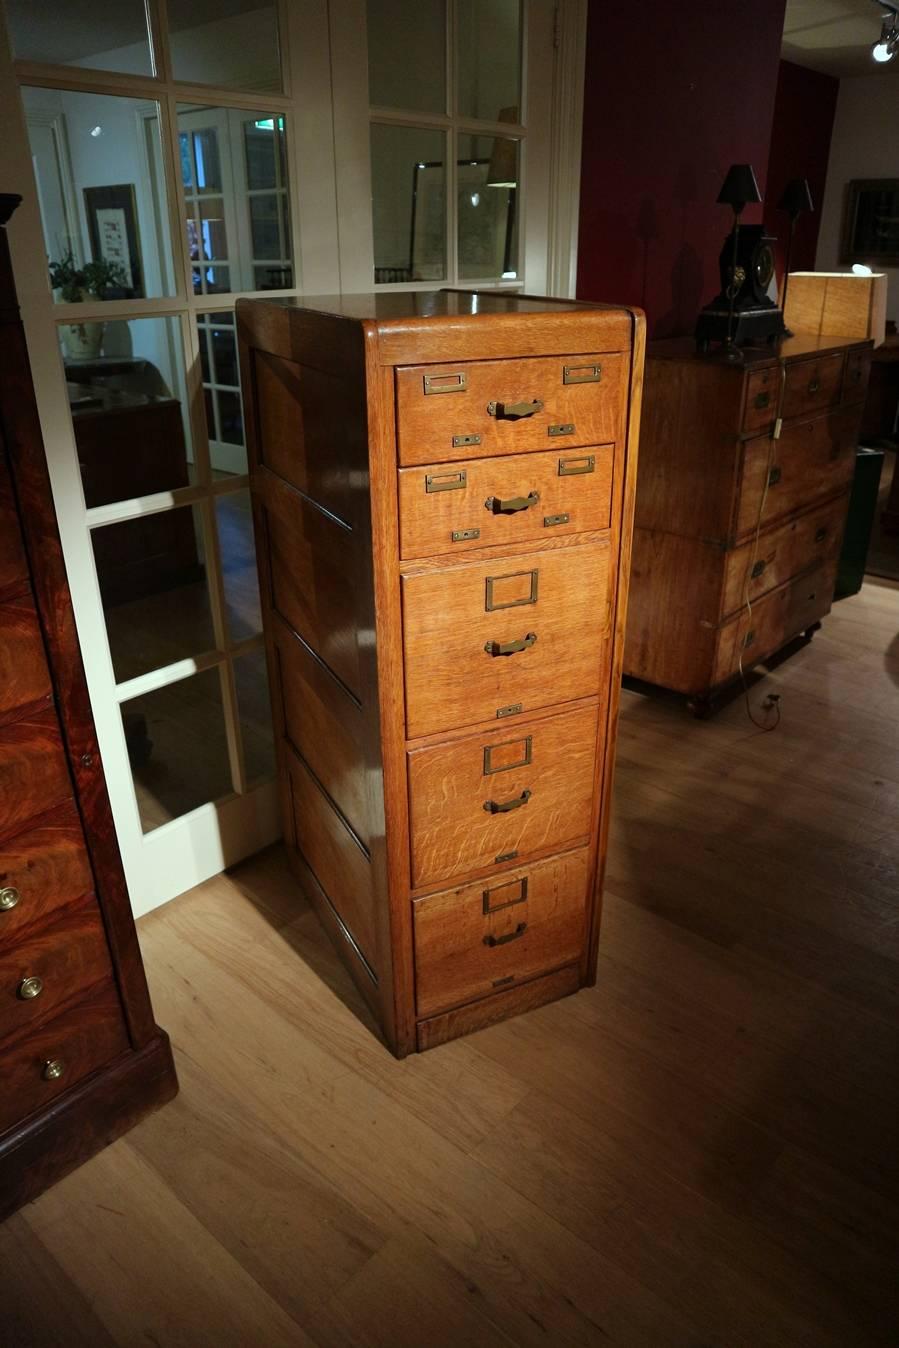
<point x="742" y="494"/>
<point x="81" y="1058"/>
<point x="442" y="490"/>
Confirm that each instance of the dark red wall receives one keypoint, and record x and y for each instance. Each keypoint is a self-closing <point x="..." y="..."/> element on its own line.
<point x="674" y="94"/>
<point x="803" y="123"/>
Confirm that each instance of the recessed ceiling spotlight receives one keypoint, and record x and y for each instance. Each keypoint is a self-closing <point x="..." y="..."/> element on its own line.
<point x="96" y="131"/>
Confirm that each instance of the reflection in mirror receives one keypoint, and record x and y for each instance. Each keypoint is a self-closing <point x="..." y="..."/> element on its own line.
<point x="98" y="169"/>
<point x="152" y="576"/>
<point x="408" y="173"/>
<point x="234" y="521"/>
<point x="177" y="747"/>
<point x="488" y="175"/>
<point x="488" y="59"/>
<point x="231" y="43"/>
<point x="125" y="381"/>
<point x="417" y="82"/>
<point x="255" y="713"/>
<point x="236" y="198"/>
<point x="101" y="37"/>
<point x="221" y="392"/>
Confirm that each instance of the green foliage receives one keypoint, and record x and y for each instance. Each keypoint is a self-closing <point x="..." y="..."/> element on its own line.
<point x="94" y="278"/>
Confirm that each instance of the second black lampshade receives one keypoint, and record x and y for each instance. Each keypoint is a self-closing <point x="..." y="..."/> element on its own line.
<point x="796" y="198"/>
<point x="739" y="187"/>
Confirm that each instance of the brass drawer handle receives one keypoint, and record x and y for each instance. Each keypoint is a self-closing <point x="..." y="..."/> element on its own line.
<point x="9" y="897"/>
<point x="505" y="806"/>
<point x="814" y="386"/>
<point x="509" y="936"/>
<point x="774" y="477"/>
<point x="758" y="569"/>
<point x="820" y="534"/>
<point x="53" y="1069"/>
<point x="511" y="505"/>
<point x="510" y="647"/>
<point x="29" y="988"/>
<point x="514" y="411"/>
<point x="762" y="400"/>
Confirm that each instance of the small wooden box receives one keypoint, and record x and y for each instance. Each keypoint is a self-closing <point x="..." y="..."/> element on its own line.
<point x="837" y="304"/>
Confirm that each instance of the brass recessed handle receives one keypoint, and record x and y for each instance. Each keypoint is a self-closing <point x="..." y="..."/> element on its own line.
<point x="9" y="897"/>
<point x="762" y="400"/>
<point x="814" y="386"/>
<point x="758" y="569"/>
<point x="53" y="1069"/>
<point x="510" y="647"/>
<point x="514" y="411"/>
<point x="29" y="988"/>
<point x="510" y="505"/>
<point x="505" y="806"/>
<point x="774" y="477"/>
<point x="820" y="535"/>
<point x="509" y="936"/>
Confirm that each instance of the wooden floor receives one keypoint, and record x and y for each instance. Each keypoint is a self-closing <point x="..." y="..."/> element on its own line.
<point x="702" y="1150"/>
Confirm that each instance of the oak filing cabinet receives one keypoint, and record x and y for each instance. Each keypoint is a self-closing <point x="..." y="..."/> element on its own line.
<point x="81" y="1058"/>
<point x="742" y="493"/>
<point x="442" y="492"/>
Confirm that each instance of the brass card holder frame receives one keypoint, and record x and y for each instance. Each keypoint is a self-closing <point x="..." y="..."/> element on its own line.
<point x="437" y="383"/>
<point x="491" y="606"/>
<point x="523" y="762"/>
<point x="450" y="481"/>
<point x="581" y="374"/>
<point x="583" y="463"/>
<point x="521" y="897"/>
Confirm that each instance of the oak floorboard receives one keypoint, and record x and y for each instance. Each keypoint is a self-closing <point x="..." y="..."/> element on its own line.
<point x="700" y="1151"/>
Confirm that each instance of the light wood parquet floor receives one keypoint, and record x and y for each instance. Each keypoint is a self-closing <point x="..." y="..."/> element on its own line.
<point x="700" y="1151"/>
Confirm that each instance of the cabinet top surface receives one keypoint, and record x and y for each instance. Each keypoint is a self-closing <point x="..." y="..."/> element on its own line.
<point x="400" y="306"/>
<point x="803" y="345"/>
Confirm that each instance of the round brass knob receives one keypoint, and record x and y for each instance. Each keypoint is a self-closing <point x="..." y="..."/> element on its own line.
<point x="53" y="1069"/>
<point x="29" y="988"/>
<point x="9" y="897"/>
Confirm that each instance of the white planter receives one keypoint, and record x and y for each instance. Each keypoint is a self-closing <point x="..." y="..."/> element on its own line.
<point x="82" y="341"/>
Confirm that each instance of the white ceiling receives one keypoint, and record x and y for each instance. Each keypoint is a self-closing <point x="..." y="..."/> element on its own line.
<point x="835" y="36"/>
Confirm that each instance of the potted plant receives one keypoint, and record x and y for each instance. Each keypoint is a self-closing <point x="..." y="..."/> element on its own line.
<point x="75" y="284"/>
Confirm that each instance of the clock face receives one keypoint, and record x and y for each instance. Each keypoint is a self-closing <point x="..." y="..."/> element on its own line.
<point x="763" y="265"/>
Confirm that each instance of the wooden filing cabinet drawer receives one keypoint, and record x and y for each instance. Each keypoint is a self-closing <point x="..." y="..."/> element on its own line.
<point x="812" y="385"/>
<point x="472" y="941"/>
<point x="41" y="870"/>
<point x="811" y="459"/>
<point x="474" y="409"/>
<point x="24" y="676"/>
<point x="34" y="775"/>
<point x="76" y="1043"/>
<point x="486" y="640"/>
<point x="856" y="376"/>
<point x="777" y="618"/>
<point x="804" y="543"/>
<point x="501" y="796"/>
<point x="13" y="566"/>
<point x="51" y="967"/>
<point x="515" y="498"/>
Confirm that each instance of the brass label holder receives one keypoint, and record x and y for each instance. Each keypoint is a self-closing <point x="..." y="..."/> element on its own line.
<point x="523" y="762"/>
<point x="456" y="481"/>
<point x="456" y="382"/>
<point x="581" y="374"/>
<point x="490" y="603"/>
<point x="521" y="896"/>
<point x="584" y="463"/>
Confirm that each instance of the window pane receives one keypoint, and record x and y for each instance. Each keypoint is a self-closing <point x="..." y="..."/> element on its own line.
<point x="236" y="199"/>
<point x="234" y="520"/>
<point x="177" y="748"/>
<point x="487" y="199"/>
<point x="233" y="43"/>
<point x="103" y="37"/>
<point x="488" y="59"/>
<point x="408" y="203"/>
<point x="407" y="54"/>
<point x="255" y="713"/>
<point x="125" y="382"/>
<point x="98" y="165"/>
<point x="221" y="381"/>
<point x="152" y="577"/>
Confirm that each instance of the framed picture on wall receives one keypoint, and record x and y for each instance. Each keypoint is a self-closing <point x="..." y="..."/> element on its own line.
<point x="112" y="228"/>
<point x="871" y="222"/>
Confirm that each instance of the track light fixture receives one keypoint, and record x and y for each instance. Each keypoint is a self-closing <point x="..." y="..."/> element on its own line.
<point x="888" y="45"/>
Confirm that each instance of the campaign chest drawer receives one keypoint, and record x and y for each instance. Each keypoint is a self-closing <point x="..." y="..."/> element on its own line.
<point x="814" y="458"/>
<point x="486" y="640"/>
<point x="777" y="618"/>
<point x="41" y="870"/>
<point x="24" y="676"/>
<point x="474" y="409"/>
<point x="805" y="542"/>
<point x="514" y="498"/>
<point x="471" y="942"/>
<point x="60" y="1053"/>
<point x="812" y="385"/>
<point x="856" y="376"/>
<point x="501" y="796"/>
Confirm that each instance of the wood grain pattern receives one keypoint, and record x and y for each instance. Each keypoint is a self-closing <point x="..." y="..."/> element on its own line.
<point x="812" y="459"/>
<point x="430" y="518"/>
<point x="455" y="961"/>
<point x="48" y="866"/>
<point x="812" y="385"/>
<point x="807" y="541"/>
<point x="775" y="620"/>
<point x="452" y="833"/>
<point x="450" y="678"/>
<point x="69" y="955"/>
<point x="34" y="775"/>
<point x="428" y="423"/>
<point x="24" y="677"/>
<point x="440" y="1029"/>
<point x="13" y="564"/>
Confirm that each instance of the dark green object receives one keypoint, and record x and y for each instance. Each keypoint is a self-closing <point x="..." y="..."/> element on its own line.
<point x="859" y="521"/>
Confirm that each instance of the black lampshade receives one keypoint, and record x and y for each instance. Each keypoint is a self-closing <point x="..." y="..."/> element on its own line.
<point x="797" y="197"/>
<point x="739" y="187"/>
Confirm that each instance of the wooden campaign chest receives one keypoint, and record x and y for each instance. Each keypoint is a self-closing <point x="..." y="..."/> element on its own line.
<point x="442" y="490"/>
